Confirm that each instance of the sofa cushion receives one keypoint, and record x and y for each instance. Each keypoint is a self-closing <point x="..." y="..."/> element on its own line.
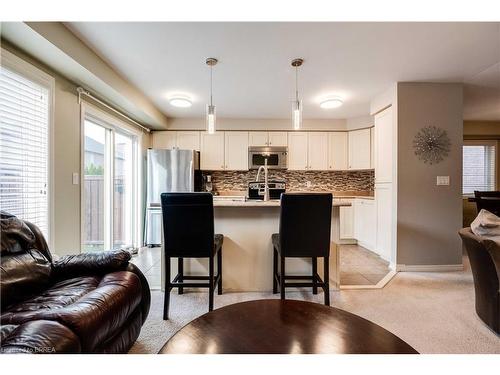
<point x="37" y="337"/>
<point x="92" y="307"/>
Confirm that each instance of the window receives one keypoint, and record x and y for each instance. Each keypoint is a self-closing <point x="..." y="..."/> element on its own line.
<point x="25" y="118"/>
<point x="479" y="166"/>
<point x="110" y="193"/>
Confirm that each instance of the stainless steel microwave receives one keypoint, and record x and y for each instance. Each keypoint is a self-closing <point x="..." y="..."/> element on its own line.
<point x="276" y="157"/>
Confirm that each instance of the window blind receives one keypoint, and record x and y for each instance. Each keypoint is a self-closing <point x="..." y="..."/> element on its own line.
<point x="24" y="148"/>
<point x="478" y="168"/>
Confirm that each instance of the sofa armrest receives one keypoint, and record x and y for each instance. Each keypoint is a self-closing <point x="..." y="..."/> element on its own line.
<point x="90" y="264"/>
<point x="146" y="292"/>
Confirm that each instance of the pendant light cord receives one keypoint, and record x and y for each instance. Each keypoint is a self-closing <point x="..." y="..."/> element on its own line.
<point x="297" y="83"/>
<point x="211" y="68"/>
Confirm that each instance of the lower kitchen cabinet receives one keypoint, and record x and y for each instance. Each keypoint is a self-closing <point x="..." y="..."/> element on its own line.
<point x="347" y="222"/>
<point x="365" y="223"/>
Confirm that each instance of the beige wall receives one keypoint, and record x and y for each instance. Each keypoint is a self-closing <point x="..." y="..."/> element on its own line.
<point x="429" y="216"/>
<point x="66" y="159"/>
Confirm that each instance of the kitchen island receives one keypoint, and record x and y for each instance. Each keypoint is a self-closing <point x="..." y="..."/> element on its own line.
<point x="247" y="227"/>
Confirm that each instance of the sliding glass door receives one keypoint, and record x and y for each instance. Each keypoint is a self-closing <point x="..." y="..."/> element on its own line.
<point x="110" y="189"/>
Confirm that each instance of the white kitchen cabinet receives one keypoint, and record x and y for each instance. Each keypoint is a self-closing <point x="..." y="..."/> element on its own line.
<point x="365" y="223"/>
<point x="338" y="151"/>
<point x="372" y="148"/>
<point x="212" y="151"/>
<point x="278" y="139"/>
<point x="317" y="151"/>
<point x="164" y="139"/>
<point x="188" y="140"/>
<point x="258" y="139"/>
<point x="383" y="199"/>
<point x="383" y="146"/>
<point x="297" y="151"/>
<point x="359" y="149"/>
<point x="236" y="151"/>
<point x="346" y="222"/>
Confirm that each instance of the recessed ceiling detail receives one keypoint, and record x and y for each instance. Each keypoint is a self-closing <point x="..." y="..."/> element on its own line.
<point x="361" y="59"/>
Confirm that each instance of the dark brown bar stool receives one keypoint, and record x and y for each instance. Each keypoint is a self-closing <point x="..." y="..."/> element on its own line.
<point x="188" y="230"/>
<point x="488" y="200"/>
<point x="305" y="222"/>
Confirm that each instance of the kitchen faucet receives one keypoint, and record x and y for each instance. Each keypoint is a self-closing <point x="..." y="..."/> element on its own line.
<point x="266" y="184"/>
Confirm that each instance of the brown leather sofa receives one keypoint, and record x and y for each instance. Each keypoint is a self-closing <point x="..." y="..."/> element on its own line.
<point x="484" y="257"/>
<point x="86" y="303"/>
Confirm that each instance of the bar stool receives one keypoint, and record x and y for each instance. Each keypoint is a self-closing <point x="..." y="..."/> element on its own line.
<point x="188" y="230"/>
<point x="305" y="222"/>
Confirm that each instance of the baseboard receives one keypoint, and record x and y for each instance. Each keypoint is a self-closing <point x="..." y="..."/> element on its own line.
<point x="429" y="267"/>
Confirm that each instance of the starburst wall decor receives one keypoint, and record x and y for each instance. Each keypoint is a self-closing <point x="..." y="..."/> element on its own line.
<point x="431" y="144"/>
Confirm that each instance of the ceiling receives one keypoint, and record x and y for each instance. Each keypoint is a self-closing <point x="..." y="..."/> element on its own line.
<point x="254" y="79"/>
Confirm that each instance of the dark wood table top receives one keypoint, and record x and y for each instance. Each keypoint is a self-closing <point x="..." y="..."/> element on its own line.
<point x="283" y="327"/>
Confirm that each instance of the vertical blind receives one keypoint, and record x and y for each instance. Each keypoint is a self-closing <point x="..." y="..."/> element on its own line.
<point x="24" y="148"/>
<point x="478" y="168"/>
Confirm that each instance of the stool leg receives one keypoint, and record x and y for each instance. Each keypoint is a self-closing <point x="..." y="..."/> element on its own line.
<point x="219" y="271"/>
<point x="180" y="269"/>
<point x="211" y="282"/>
<point x="275" y="271"/>
<point x="166" y="300"/>
<point x="314" y="271"/>
<point x="327" y="280"/>
<point x="282" y="278"/>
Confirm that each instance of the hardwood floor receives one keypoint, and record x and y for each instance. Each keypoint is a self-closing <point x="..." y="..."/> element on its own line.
<point x="359" y="266"/>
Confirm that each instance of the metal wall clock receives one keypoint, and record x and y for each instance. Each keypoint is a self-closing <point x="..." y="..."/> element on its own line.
<point x="431" y="145"/>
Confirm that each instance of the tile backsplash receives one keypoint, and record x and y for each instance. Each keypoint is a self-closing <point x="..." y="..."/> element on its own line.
<point x="297" y="180"/>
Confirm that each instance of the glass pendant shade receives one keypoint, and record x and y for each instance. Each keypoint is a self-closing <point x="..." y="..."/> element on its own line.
<point x="210" y="119"/>
<point x="297" y="114"/>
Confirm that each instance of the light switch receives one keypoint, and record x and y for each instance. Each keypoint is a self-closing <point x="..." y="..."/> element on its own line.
<point x="76" y="179"/>
<point x="442" y="180"/>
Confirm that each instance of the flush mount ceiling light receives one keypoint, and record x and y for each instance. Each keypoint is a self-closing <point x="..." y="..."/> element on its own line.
<point x="297" y="104"/>
<point x="211" y="62"/>
<point x="331" y="103"/>
<point x="180" y="101"/>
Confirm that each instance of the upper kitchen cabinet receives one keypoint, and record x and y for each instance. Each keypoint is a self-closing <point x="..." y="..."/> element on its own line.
<point x="212" y="151"/>
<point x="383" y="146"/>
<point x="236" y="151"/>
<point x="278" y="139"/>
<point x="359" y="149"/>
<point x="297" y="151"/>
<point x="267" y="139"/>
<point x="338" y="151"/>
<point x="317" y="154"/>
<point x="164" y="139"/>
<point x="188" y="140"/>
<point x="258" y="139"/>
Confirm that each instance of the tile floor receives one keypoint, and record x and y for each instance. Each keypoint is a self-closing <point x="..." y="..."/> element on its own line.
<point x="359" y="266"/>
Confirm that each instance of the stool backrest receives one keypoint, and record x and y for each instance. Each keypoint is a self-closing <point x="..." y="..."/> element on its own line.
<point x="188" y="224"/>
<point x="305" y="224"/>
<point x="488" y="200"/>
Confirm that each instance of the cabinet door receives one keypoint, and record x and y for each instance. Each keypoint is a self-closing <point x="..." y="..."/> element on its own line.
<point x="278" y="139"/>
<point x="358" y="220"/>
<point x="383" y="146"/>
<point x="372" y="148"/>
<point x="164" y="139"/>
<point x="317" y="154"/>
<point x="337" y="151"/>
<point x="212" y="151"/>
<point x="297" y="151"/>
<point x="236" y="151"/>
<point x="383" y="199"/>
<point x="346" y="223"/>
<point x="188" y="140"/>
<point x="258" y="139"/>
<point x="359" y="149"/>
<point x="371" y="223"/>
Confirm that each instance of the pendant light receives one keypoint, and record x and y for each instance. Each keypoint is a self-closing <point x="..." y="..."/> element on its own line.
<point x="210" y="107"/>
<point x="297" y="103"/>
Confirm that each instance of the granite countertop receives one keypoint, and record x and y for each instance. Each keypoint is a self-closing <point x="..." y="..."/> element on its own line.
<point x="240" y="201"/>
<point x="336" y="194"/>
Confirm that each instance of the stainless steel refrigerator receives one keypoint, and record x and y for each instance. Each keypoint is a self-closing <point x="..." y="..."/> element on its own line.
<point x="168" y="171"/>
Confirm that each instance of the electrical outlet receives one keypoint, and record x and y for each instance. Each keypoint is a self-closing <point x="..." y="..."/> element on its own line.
<point x="442" y="180"/>
<point x="308" y="184"/>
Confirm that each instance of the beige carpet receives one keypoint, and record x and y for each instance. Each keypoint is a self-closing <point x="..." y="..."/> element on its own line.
<point x="433" y="312"/>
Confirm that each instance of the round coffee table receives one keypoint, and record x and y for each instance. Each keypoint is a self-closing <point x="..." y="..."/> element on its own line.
<point x="283" y="327"/>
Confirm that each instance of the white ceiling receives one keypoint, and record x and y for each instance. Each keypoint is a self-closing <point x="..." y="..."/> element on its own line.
<point x="254" y="78"/>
